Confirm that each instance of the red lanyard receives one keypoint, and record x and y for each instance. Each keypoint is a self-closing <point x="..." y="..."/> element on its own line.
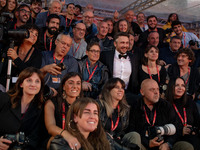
<point x="90" y="75"/>
<point x="188" y="76"/>
<point x="154" y="117"/>
<point x="15" y="26"/>
<point x="69" y="22"/>
<point x="63" y="115"/>
<point x="76" y="49"/>
<point x="45" y="44"/>
<point x="184" y="40"/>
<point x="184" y="122"/>
<point x="157" y="72"/>
<point x="117" y="122"/>
<point x="54" y="58"/>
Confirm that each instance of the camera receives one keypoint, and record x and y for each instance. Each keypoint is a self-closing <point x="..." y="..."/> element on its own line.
<point x="19" y="141"/>
<point x="192" y="43"/>
<point x="159" y="131"/>
<point x="194" y="130"/>
<point x="48" y="93"/>
<point x="62" y="66"/>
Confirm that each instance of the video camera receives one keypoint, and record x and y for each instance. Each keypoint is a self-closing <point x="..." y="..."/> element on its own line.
<point x="159" y="131"/>
<point x="6" y="34"/>
<point x="19" y="141"/>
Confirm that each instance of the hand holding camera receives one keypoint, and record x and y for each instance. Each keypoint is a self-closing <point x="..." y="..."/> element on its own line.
<point x="4" y="143"/>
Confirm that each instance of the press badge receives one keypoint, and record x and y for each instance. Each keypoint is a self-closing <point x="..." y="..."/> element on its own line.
<point x="14" y="79"/>
<point x="55" y="80"/>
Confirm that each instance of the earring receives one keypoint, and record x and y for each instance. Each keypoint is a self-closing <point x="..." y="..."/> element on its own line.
<point x="64" y="95"/>
<point x="69" y="125"/>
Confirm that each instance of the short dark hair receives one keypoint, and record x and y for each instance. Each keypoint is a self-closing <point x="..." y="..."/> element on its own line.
<point x="22" y="6"/>
<point x="151" y="16"/>
<point x="174" y="23"/>
<point x="108" y="19"/>
<point x="120" y="34"/>
<point x="139" y="14"/>
<point x="175" y="37"/>
<point x="188" y="52"/>
<point x="92" y="44"/>
<point x="79" y="6"/>
<point x="36" y="1"/>
<point x="70" y="4"/>
<point x="52" y="16"/>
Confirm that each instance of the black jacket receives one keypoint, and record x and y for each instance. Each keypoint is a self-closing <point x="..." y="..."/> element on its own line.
<point x="107" y="58"/>
<point x="194" y="79"/>
<point x="164" y="115"/>
<point x="11" y="121"/>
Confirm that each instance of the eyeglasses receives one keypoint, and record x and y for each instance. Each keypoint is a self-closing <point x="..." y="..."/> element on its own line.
<point x="88" y="17"/>
<point x="25" y="11"/>
<point x="94" y="51"/>
<point x="79" y="29"/>
<point x="63" y="43"/>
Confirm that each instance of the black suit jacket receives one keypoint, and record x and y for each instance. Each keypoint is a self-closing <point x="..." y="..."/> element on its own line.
<point x="11" y="120"/>
<point x="107" y="58"/>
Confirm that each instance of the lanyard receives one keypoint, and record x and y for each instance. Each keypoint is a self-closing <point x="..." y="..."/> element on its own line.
<point x="63" y="115"/>
<point x="90" y="75"/>
<point x="113" y="127"/>
<point x="188" y="76"/>
<point x="45" y="44"/>
<point x="184" y="41"/>
<point x="74" y="52"/>
<point x="156" y="30"/>
<point x="54" y="58"/>
<point x="154" y="117"/>
<point x="157" y="73"/>
<point x="26" y="54"/>
<point x="184" y="122"/>
<point x="15" y="26"/>
<point x="69" y="22"/>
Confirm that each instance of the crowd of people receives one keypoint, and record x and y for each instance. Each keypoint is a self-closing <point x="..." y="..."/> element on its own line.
<point x="76" y="82"/>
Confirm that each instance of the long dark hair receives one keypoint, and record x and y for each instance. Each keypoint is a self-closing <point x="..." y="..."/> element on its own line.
<point x="17" y="92"/>
<point x="5" y="8"/>
<point x="116" y="27"/>
<point x="97" y="139"/>
<point x="148" y="48"/>
<point x="59" y="97"/>
<point x="106" y="98"/>
<point x="170" y="93"/>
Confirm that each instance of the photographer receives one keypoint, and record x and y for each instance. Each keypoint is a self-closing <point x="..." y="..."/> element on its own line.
<point x="151" y="111"/>
<point x="21" y="111"/>
<point x="94" y="73"/>
<point x="186" y="113"/>
<point x="23" y="56"/>
<point x="56" y="63"/>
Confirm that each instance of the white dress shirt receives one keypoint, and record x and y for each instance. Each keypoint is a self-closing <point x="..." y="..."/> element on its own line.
<point x="122" y="68"/>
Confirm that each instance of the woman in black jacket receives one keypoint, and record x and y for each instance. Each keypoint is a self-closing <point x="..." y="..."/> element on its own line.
<point x="115" y="113"/>
<point x="186" y="112"/>
<point x="21" y="109"/>
<point x="84" y="124"/>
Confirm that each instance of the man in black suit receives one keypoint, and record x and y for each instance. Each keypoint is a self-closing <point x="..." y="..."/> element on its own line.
<point x="122" y="64"/>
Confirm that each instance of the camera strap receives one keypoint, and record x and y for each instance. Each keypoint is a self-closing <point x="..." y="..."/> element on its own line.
<point x="113" y="127"/>
<point x="90" y="75"/>
<point x="147" y="118"/>
<point x="157" y="73"/>
<point x="184" y="122"/>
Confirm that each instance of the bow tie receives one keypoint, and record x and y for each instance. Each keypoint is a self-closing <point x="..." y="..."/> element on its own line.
<point x="124" y="56"/>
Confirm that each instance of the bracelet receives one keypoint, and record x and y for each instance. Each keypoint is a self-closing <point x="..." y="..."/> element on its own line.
<point x="61" y="132"/>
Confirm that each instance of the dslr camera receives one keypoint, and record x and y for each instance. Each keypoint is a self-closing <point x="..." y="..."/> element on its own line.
<point x="159" y="131"/>
<point x="19" y="141"/>
<point x="192" y="43"/>
<point x="194" y="130"/>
